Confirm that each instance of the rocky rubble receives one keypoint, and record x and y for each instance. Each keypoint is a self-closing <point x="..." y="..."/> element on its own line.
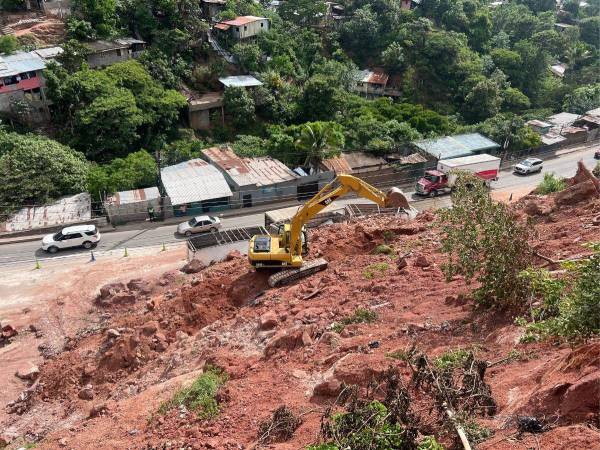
<point x="295" y="345"/>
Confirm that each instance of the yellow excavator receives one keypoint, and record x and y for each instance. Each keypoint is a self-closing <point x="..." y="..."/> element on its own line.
<point x="285" y="250"/>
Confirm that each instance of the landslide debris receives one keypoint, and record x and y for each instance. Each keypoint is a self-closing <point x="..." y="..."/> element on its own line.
<point x="290" y="370"/>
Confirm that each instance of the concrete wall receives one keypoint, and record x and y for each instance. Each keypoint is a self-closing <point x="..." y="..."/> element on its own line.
<point x="37" y="101"/>
<point x="131" y="212"/>
<point x="108" y="57"/>
<point x="199" y="120"/>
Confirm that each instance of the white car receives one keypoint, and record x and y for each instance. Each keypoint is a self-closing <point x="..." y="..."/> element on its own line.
<point x="86" y="236"/>
<point x="530" y="165"/>
<point x="199" y="224"/>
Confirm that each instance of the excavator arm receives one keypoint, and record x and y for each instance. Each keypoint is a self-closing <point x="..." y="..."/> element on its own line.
<point x="340" y="186"/>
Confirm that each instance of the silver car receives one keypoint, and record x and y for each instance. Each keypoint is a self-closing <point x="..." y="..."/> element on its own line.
<point x="530" y="165"/>
<point x="199" y="224"/>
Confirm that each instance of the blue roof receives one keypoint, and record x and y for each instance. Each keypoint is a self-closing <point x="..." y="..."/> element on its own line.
<point x="456" y="146"/>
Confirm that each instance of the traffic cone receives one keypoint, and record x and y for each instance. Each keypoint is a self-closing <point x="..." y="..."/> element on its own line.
<point x="125" y="255"/>
<point x="163" y="248"/>
<point x="92" y="257"/>
<point x="37" y="264"/>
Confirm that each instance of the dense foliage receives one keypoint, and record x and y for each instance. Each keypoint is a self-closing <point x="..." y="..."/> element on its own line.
<point x="569" y="306"/>
<point x="483" y="241"/>
<point x="35" y="170"/>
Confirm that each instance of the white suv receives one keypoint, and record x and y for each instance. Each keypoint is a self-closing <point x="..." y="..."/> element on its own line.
<point x="86" y="236"/>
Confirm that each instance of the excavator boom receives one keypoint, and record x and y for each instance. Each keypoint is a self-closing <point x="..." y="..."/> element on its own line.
<point x="285" y="250"/>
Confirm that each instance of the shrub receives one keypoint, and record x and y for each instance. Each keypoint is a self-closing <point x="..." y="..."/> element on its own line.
<point x="451" y="359"/>
<point x="550" y="183"/>
<point x="570" y="307"/>
<point x="383" y="249"/>
<point x="200" y="397"/>
<point x="360" y="315"/>
<point x="483" y="240"/>
<point x="375" y="269"/>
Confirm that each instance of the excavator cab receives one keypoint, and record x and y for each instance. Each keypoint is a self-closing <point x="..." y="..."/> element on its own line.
<point x="286" y="248"/>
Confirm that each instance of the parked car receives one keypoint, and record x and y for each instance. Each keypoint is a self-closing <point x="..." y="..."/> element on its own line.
<point x="530" y="165"/>
<point x="86" y="236"/>
<point x="199" y="224"/>
<point x="597" y="154"/>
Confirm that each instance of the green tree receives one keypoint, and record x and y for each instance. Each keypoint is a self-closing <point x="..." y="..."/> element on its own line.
<point x="393" y="58"/>
<point x="583" y="99"/>
<point x="138" y="170"/>
<point x="483" y="240"/>
<point x="321" y="98"/>
<point x="101" y="14"/>
<point x="239" y="105"/>
<point x="249" y="146"/>
<point x="319" y="141"/>
<point x="509" y="131"/>
<point x="248" y="55"/>
<point x="538" y="6"/>
<point x="589" y="29"/>
<point x="482" y="102"/>
<point x="74" y="55"/>
<point x="8" y="44"/>
<point x="514" y="100"/>
<point x="303" y="12"/>
<point x="79" y="29"/>
<point x="12" y="5"/>
<point x="36" y="170"/>
<point x="509" y="62"/>
<point x="359" y="33"/>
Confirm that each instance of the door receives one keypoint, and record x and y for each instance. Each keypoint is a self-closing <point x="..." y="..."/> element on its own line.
<point x="247" y="200"/>
<point x="72" y="240"/>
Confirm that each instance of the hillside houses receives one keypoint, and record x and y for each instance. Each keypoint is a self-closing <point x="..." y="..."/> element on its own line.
<point x="242" y="28"/>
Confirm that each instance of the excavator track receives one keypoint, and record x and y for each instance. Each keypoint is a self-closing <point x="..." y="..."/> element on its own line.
<point x="287" y="276"/>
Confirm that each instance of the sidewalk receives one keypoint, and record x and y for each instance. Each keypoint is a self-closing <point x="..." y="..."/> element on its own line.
<point x="147" y="225"/>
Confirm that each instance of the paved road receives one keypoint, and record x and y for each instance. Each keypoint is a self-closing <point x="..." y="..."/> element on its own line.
<point x="564" y="165"/>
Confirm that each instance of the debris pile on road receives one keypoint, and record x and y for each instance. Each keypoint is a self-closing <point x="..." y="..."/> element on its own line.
<point x="380" y="328"/>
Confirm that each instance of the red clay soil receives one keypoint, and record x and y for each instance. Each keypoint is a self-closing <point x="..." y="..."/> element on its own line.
<point x="278" y="348"/>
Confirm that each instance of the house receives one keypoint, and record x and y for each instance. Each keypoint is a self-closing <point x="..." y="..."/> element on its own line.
<point x="49" y="53"/>
<point x="371" y="83"/>
<point x="105" y="53"/>
<point x="337" y="165"/>
<point x="65" y="211"/>
<point x="539" y="126"/>
<point x="590" y="123"/>
<point x="253" y="180"/>
<point x="212" y="8"/>
<point x="243" y="27"/>
<point x="563" y="119"/>
<point x="335" y="14"/>
<point x="201" y="108"/>
<point x="448" y="147"/>
<point x="22" y="87"/>
<point x="562" y="27"/>
<point x="409" y="4"/>
<point x="240" y="81"/>
<point x="558" y="69"/>
<point x="372" y="169"/>
<point x="132" y="206"/>
<point x="195" y="187"/>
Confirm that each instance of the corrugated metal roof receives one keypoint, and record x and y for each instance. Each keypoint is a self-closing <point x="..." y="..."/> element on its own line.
<point x="222" y="26"/>
<point x="552" y="138"/>
<point x="20" y="62"/>
<point x="240" y="81"/>
<point x="49" y="53"/>
<point x="414" y="158"/>
<point x="75" y="208"/>
<point x="358" y="160"/>
<point x="243" y="20"/>
<point x="263" y="171"/>
<point x="539" y="123"/>
<point x="134" y="196"/>
<point x="590" y="119"/>
<point x="455" y="146"/>
<point x="593" y="112"/>
<point x="103" y="46"/>
<point x="194" y="181"/>
<point x="338" y="165"/>
<point x="563" y="118"/>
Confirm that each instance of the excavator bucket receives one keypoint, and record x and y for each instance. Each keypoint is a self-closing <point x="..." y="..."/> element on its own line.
<point x="395" y="198"/>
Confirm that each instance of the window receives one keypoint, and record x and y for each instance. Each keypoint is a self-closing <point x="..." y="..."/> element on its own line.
<point x="261" y="24"/>
<point x="118" y="52"/>
<point x="32" y="74"/>
<point x="72" y="236"/>
<point x="245" y="27"/>
<point x="237" y="29"/>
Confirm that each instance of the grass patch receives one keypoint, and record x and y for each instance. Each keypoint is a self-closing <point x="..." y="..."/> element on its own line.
<point x="476" y="433"/>
<point x="360" y="315"/>
<point x="201" y="396"/>
<point x="551" y="183"/>
<point x="383" y="249"/>
<point x="375" y="269"/>
<point x="451" y="359"/>
<point x="401" y="355"/>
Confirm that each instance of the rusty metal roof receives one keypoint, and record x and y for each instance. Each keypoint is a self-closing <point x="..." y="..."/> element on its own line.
<point x="243" y="20"/>
<point x="134" y="196"/>
<point x="374" y="77"/>
<point x="222" y="26"/>
<point x="262" y="171"/>
<point x="194" y="181"/>
<point x="359" y="160"/>
<point x="338" y="165"/>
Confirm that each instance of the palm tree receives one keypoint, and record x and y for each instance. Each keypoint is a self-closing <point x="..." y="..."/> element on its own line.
<point x="319" y="141"/>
